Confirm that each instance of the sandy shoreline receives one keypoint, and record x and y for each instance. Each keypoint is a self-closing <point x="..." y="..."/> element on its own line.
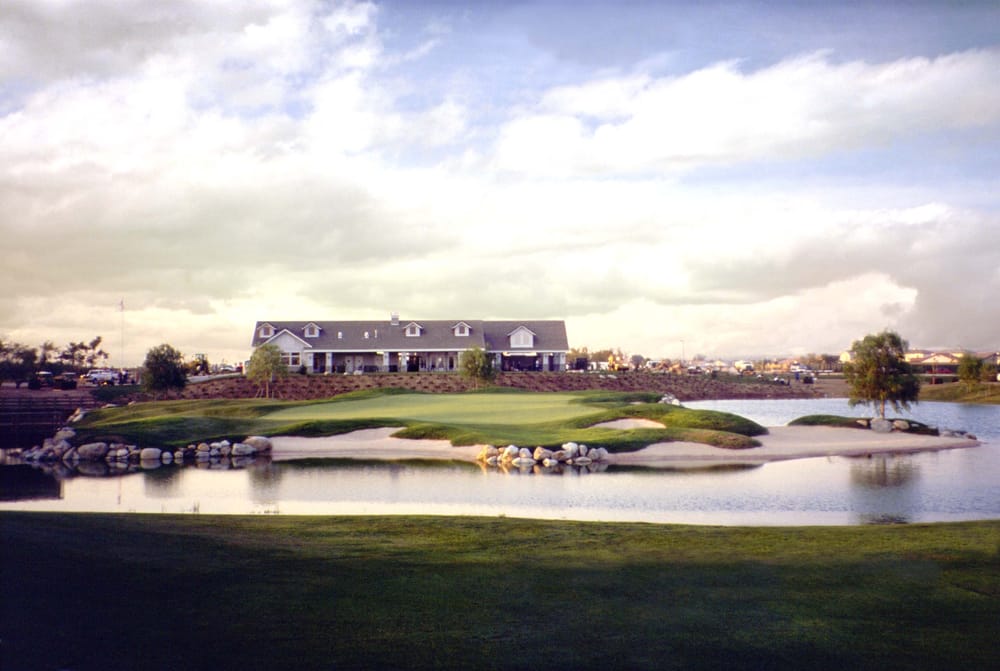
<point x="783" y="442"/>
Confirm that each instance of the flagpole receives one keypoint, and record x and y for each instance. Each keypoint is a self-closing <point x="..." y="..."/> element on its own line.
<point x="121" y="342"/>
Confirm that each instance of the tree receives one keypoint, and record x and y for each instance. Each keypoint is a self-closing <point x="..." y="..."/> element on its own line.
<point x="199" y="365"/>
<point x="477" y="365"/>
<point x="970" y="370"/>
<point x="878" y="373"/>
<point x="163" y="369"/>
<point x="265" y="366"/>
<point x="80" y="355"/>
<point x="17" y="362"/>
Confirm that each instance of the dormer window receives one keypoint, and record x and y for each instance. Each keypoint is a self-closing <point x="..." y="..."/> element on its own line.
<point x="266" y="331"/>
<point x="413" y="330"/>
<point x="461" y="329"/>
<point x="312" y="331"/>
<point x="522" y="337"/>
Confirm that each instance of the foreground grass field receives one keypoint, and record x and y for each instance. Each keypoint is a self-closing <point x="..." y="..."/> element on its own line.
<point x="472" y="418"/>
<point x="163" y="592"/>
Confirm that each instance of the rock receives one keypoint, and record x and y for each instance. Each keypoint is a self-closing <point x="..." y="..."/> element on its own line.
<point x="492" y="460"/>
<point x="150" y="454"/>
<point x="525" y="453"/>
<point x="167" y="457"/>
<point x="582" y="461"/>
<point x="570" y="448"/>
<point x="550" y="462"/>
<point x="598" y="454"/>
<point x="541" y="454"/>
<point x="487" y="452"/>
<point x="523" y="462"/>
<point x="243" y="450"/>
<point x="259" y="443"/>
<point x="583" y="450"/>
<point x="900" y="425"/>
<point x="204" y="447"/>
<point x="64" y="434"/>
<point x="511" y="452"/>
<point x="881" y="425"/>
<point x="560" y="455"/>
<point x="92" y="451"/>
<point x="61" y="447"/>
<point x="862" y="422"/>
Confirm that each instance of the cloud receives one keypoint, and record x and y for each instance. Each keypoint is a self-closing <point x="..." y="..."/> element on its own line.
<point x="800" y="107"/>
<point x="294" y="159"/>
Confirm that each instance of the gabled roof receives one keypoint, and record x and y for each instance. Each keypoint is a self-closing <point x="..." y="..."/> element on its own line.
<point x="435" y="335"/>
<point x="278" y="334"/>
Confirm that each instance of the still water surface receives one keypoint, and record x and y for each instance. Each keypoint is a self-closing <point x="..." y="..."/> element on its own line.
<point x="933" y="486"/>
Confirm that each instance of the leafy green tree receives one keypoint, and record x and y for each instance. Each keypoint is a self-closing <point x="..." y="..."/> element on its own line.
<point x="264" y="367"/>
<point x="199" y="365"/>
<point x="477" y="365"/>
<point x="163" y="369"/>
<point x="17" y="362"/>
<point x="970" y="370"/>
<point x="879" y="374"/>
<point x="81" y="355"/>
<point x="989" y="372"/>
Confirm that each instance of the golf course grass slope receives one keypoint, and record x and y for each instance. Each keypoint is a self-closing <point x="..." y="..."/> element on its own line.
<point x="525" y="418"/>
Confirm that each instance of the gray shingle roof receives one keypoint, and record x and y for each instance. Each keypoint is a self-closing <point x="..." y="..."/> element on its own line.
<point x="361" y="336"/>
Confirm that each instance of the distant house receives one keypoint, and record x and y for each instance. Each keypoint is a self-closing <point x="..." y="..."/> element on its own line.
<point x="420" y="345"/>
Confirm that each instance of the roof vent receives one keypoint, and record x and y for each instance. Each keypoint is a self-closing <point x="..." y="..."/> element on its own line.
<point x="394" y="318"/>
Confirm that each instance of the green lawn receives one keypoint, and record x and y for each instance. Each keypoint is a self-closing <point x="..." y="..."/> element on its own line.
<point x="463" y="409"/>
<point x="474" y="418"/>
<point x="106" y="592"/>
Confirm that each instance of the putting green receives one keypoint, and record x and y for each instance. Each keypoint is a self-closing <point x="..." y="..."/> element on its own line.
<point x="493" y="409"/>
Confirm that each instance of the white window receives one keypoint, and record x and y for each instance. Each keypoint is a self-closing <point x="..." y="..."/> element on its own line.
<point x="312" y="331"/>
<point x="266" y="331"/>
<point x="291" y="358"/>
<point x="461" y="329"/>
<point x="522" y="338"/>
<point x="412" y="330"/>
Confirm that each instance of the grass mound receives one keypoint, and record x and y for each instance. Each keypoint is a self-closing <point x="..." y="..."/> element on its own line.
<point x="524" y="418"/>
<point x="854" y="423"/>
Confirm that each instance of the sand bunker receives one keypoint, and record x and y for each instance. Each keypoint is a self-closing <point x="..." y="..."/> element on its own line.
<point x="784" y="442"/>
<point x="628" y="423"/>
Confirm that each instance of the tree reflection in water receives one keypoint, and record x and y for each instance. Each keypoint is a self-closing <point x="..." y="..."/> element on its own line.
<point x="884" y="489"/>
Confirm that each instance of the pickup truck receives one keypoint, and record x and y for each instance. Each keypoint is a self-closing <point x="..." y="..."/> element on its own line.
<point x="101" y="376"/>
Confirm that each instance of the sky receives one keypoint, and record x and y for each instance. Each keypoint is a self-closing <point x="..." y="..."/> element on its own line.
<point x="720" y="178"/>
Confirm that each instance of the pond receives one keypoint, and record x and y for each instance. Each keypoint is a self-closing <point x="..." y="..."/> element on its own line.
<point x="947" y="485"/>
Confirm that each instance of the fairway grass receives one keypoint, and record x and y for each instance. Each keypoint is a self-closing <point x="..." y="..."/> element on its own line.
<point x="217" y="592"/>
<point x="461" y="409"/>
<point x="526" y="418"/>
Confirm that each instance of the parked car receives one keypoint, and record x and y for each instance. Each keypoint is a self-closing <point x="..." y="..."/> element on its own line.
<point x="43" y="379"/>
<point x="101" y="376"/>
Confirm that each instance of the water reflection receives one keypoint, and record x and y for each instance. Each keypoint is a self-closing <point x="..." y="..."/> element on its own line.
<point x="885" y="489"/>
<point x="934" y="486"/>
<point x="24" y="483"/>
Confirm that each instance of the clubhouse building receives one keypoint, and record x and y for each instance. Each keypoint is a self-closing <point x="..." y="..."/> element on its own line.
<point x="412" y="346"/>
